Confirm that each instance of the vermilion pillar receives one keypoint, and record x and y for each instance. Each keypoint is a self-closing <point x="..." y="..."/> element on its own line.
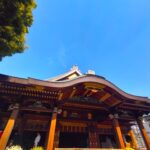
<point x="52" y="131"/>
<point x="8" y="129"/>
<point x="119" y="136"/>
<point x="118" y="133"/>
<point x="144" y="134"/>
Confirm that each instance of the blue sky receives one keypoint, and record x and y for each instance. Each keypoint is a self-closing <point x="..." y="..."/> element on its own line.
<point x="111" y="37"/>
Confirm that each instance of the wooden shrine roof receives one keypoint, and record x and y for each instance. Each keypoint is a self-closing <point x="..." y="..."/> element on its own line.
<point x="87" y="91"/>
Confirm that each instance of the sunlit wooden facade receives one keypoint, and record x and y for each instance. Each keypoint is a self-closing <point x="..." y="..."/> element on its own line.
<point x="71" y="110"/>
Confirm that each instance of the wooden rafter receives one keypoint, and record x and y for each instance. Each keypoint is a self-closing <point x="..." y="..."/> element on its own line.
<point x="105" y="97"/>
<point x="85" y="92"/>
<point x="72" y="92"/>
<point x="60" y="96"/>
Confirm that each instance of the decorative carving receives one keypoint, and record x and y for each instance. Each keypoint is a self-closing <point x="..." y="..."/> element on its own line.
<point x="13" y="106"/>
<point x="37" y="104"/>
<point x="74" y="115"/>
<point x="85" y="99"/>
<point x="115" y="116"/>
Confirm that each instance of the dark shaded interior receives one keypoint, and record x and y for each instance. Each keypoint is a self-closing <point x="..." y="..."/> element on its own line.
<point x="107" y="141"/>
<point x="73" y="140"/>
<point x="26" y="140"/>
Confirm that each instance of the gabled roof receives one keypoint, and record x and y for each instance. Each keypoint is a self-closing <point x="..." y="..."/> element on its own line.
<point x="72" y="74"/>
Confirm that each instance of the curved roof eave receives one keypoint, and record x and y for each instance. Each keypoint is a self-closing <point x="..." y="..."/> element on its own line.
<point x="73" y="82"/>
<point x="94" y="79"/>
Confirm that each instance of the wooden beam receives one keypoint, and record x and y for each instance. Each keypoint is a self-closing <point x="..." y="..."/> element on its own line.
<point x="94" y="86"/>
<point x="119" y="136"/>
<point x="73" y="92"/>
<point x="85" y="92"/>
<point x="36" y="109"/>
<point x="87" y="106"/>
<point x="50" y="144"/>
<point x="8" y="129"/>
<point x="144" y="134"/>
<point x="137" y="105"/>
<point x="106" y="96"/>
<point x="60" y="96"/>
<point x="90" y="93"/>
<point x="134" y="108"/>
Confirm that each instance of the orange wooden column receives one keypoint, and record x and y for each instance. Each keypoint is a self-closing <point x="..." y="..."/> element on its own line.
<point x="8" y="129"/>
<point x="144" y="134"/>
<point x="119" y="136"/>
<point x="52" y="132"/>
<point x="134" y="141"/>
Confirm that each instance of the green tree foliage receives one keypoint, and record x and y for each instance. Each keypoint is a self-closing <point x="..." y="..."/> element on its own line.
<point x="15" y="19"/>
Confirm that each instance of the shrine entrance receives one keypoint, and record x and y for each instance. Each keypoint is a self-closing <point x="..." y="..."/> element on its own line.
<point x="29" y="138"/>
<point x="107" y="141"/>
<point x="73" y="140"/>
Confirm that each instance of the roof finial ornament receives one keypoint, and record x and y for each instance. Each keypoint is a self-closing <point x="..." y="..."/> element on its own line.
<point x="75" y="67"/>
<point x="91" y="72"/>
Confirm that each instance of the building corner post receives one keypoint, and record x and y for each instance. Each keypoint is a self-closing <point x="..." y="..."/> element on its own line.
<point x="143" y="132"/>
<point x="9" y="127"/>
<point x="116" y="126"/>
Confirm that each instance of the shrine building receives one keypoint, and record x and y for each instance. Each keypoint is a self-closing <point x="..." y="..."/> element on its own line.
<point x="72" y="110"/>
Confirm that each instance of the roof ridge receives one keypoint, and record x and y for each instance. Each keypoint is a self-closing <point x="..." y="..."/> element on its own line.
<point x="74" y="69"/>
